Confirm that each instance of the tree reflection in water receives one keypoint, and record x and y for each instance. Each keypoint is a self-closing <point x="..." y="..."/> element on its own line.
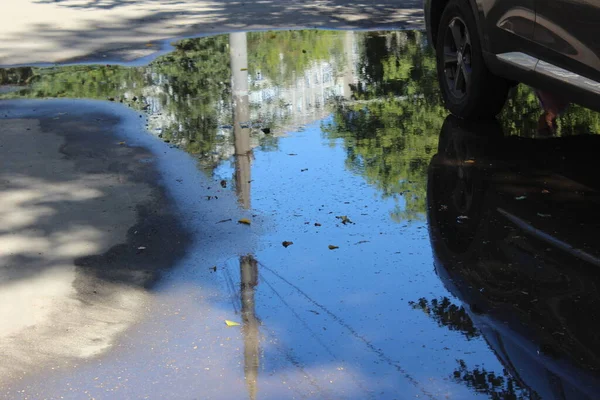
<point x="447" y="314"/>
<point x="495" y="386"/>
<point x="375" y="93"/>
<point x="380" y="89"/>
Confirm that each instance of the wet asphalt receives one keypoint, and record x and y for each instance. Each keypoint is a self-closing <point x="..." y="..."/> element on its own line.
<point x="309" y="188"/>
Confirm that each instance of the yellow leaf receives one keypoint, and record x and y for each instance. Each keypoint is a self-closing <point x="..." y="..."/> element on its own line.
<point x="345" y="219"/>
<point x="231" y="323"/>
<point x="244" y="221"/>
<point x="121" y="143"/>
<point x="332" y="247"/>
<point x="470" y="162"/>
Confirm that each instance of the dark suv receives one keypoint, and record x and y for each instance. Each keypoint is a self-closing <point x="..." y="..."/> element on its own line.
<point x="484" y="47"/>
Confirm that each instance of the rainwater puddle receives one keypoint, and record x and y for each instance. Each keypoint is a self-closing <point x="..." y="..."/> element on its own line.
<point x="396" y="252"/>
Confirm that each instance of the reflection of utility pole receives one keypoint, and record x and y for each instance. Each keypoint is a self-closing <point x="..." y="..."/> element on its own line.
<point x="249" y="280"/>
<point x="349" y="79"/>
<point x="238" y="50"/>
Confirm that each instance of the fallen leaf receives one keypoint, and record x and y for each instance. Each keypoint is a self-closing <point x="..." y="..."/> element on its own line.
<point x="231" y="323"/>
<point x="332" y="247"/>
<point x="244" y="221"/>
<point x="287" y="244"/>
<point x="469" y="161"/>
<point x="121" y="143"/>
<point x="317" y="224"/>
<point x="292" y="154"/>
<point x="224" y="220"/>
<point x="304" y="170"/>
<point x="149" y="45"/>
<point x="345" y="219"/>
<point x="223" y="183"/>
<point x="243" y="69"/>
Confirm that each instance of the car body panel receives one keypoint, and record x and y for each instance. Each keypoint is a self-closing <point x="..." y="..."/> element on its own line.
<point x="558" y="36"/>
<point x="565" y="28"/>
<point x="503" y="20"/>
<point x="506" y="24"/>
<point x="529" y="281"/>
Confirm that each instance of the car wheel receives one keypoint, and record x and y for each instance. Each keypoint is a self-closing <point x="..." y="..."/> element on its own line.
<point x="469" y="89"/>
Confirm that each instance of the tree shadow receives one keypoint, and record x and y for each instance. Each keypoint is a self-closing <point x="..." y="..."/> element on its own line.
<point x="87" y="230"/>
<point x="133" y="25"/>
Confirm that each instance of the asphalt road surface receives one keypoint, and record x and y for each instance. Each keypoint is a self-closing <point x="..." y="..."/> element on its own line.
<point x="50" y="31"/>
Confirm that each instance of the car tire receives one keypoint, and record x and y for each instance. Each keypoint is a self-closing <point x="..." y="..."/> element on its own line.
<point x="468" y="88"/>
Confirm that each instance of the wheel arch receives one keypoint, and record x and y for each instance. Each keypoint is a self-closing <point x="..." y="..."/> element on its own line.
<point x="434" y="10"/>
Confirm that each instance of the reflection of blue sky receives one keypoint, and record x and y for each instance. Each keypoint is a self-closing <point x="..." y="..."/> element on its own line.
<point x="366" y="342"/>
<point x="361" y="291"/>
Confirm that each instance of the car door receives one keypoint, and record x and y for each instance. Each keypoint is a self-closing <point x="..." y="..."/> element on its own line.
<point x="509" y="25"/>
<point x="568" y="32"/>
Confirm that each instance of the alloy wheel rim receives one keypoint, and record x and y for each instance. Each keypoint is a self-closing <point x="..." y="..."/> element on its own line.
<point x="457" y="58"/>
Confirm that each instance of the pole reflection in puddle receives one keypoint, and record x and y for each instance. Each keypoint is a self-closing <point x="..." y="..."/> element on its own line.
<point x="249" y="275"/>
<point x="238" y="46"/>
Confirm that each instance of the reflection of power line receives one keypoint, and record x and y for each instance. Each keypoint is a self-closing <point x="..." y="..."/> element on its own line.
<point x="250" y="330"/>
<point x="312" y="333"/>
<point x="354" y="333"/>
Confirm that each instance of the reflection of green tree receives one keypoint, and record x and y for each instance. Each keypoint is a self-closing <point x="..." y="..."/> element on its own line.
<point x="455" y="318"/>
<point x="15" y="76"/>
<point x="495" y="386"/>
<point x="92" y="82"/>
<point x="520" y="116"/>
<point x="390" y="131"/>
<point x="196" y="88"/>
<point x="190" y="85"/>
<point x="397" y="63"/>
<point x="283" y="56"/>
<point x="391" y="128"/>
<point x="447" y="314"/>
<point x="187" y="91"/>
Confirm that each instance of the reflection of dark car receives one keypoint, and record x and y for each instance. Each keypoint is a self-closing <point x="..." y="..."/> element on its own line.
<point x="482" y="46"/>
<point x="514" y="225"/>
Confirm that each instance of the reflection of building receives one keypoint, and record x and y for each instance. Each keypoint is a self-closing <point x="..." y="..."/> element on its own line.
<point x="279" y="107"/>
<point x="303" y="100"/>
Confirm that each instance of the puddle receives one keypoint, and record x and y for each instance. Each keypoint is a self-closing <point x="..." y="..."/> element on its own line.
<point x="397" y="253"/>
